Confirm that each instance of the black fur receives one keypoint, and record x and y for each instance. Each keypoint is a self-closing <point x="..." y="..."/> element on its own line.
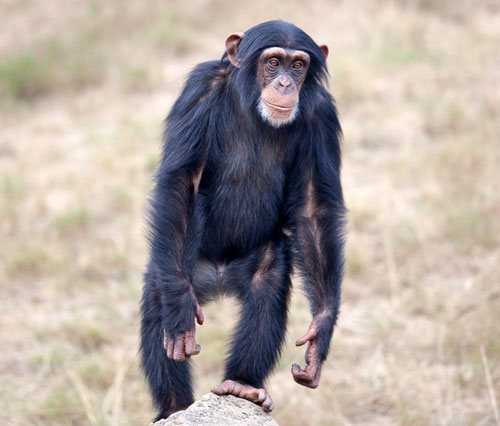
<point x="231" y="237"/>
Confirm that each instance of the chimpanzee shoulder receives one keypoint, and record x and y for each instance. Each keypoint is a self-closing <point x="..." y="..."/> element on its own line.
<point x="203" y="81"/>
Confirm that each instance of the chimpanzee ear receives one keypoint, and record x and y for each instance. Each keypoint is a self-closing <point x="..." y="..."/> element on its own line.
<point x="232" y="43"/>
<point x="324" y="49"/>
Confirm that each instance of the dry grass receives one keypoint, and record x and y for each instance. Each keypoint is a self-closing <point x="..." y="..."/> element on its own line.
<point x="84" y="87"/>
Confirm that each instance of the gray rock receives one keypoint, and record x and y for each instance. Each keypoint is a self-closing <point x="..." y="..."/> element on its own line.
<point x="212" y="409"/>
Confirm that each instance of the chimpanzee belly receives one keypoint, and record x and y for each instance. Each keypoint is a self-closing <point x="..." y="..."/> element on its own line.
<point x="241" y="209"/>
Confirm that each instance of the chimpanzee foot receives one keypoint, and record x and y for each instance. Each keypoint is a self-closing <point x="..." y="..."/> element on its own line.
<point x="257" y="396"/>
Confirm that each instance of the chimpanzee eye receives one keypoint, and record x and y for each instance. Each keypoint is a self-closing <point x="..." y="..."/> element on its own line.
<point x="274" y="62"/>
<point x="298" y="65"/>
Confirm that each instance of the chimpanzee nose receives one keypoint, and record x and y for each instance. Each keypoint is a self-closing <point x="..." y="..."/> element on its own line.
<point x="284" y="82"/>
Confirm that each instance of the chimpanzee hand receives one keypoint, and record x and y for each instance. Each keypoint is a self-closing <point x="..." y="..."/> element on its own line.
<point x="180" y="346"/>
<point x="310" y="375"/>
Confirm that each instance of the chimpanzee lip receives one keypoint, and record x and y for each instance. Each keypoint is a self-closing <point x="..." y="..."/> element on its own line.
<point x="278" y="107"/>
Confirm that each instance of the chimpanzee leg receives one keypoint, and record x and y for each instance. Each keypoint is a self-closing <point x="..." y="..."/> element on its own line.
<point x="263" y="286"/>
<point x="169" y="380"/>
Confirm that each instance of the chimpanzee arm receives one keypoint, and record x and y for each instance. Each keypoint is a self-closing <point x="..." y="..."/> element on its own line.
<point x="173" y="223"/>
<point x="319" y="236"/>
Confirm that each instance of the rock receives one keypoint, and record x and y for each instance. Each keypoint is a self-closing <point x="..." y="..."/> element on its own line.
<point x="212" y="409"/>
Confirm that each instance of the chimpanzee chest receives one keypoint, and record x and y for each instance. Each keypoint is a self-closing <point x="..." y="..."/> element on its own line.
<point x="244" y="198"/>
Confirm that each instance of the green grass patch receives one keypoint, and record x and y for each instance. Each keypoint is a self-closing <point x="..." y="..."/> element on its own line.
<point x="51" y="66"/>
<point x="137" y="77"/>
<point x="357" y="261"/>
<point x="86" y="333"/>
<point x="23" y="75"/>
<point x="31" y="262"/>
<point x="466" y="226"/>
<point x="171" y="35"/>
<point x="395" y="57"/>
<point x="60" y="407"/>
<point x="123" y="198"/>
<point x="53" y="357"/>
<point x="13" y="188"/>
<point x="96" y="373"/>
<point x="72" y="219"/>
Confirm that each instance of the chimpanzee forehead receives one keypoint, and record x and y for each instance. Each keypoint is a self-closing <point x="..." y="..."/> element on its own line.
<point x="290" y="53"/>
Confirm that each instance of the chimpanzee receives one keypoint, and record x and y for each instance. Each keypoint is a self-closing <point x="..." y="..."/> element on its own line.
<point x="248" y="185"/>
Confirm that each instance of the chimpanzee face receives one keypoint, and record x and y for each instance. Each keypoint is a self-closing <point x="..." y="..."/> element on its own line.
<point x="280" y="74"/>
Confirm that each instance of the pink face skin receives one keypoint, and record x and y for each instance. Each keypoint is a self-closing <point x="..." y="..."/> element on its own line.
<point x="280" y="74"/>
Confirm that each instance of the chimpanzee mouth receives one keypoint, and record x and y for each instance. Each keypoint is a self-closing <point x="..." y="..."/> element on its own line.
<point x="276" y="115"/>
<point x="279" y="107"/>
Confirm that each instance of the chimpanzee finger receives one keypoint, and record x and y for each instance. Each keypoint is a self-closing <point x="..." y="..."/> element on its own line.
<point x="219" y="389"/>
<point x="191" y="347"/>
<point x="170" y="348"/>
<point x="260" y="397"/>
<point x="223" y="388"/>
<point x="233" y="387"/>
<point x="199" y="314"/>
<point x="305" y="375"/>
<point x="238" y="389"/>
<point x="305" y="381"/>
<point x="308" y="377"/>
<point x="257" y="396"/>
<point x="308" y="357"/>
<point x="179" y="354"/>
<point x="268" y="404"/>
<point x="310" y="334"/>
<point x="299" y="373"/>
<point x="312" y="384"/>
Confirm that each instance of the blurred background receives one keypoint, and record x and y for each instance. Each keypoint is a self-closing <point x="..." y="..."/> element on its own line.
<point x="84" y="87"/>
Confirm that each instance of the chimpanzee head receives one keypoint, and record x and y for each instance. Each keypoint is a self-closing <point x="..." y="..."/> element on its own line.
<point x="276" y="64"/>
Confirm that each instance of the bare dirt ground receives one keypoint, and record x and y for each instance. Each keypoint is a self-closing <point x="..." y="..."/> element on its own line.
<point x="84" y="87"/>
